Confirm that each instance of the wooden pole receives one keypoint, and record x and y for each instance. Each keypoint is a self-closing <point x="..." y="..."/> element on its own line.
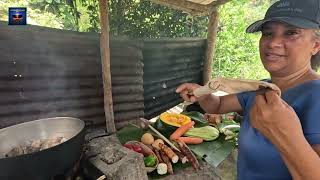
<point x="211" y="39"/>
<point x="105" y="61"/>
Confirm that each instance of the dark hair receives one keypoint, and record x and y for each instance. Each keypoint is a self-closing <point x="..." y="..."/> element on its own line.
<point x="315" y="61"/>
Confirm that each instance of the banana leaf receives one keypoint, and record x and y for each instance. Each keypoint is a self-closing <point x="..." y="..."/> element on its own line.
<point x="197" y="117"/>
<point x="130" y="133"/>
<point x="213" y="152"/>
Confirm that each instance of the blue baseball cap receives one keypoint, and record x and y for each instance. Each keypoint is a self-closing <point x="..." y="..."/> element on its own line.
<point x="299" y="13"/>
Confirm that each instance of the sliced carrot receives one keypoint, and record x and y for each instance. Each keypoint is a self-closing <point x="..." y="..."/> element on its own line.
<point x="191" y="140"/>
<point x="181" y="130"/>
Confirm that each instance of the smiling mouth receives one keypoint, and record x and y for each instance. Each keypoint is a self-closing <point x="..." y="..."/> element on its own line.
<point x="273" y="56"/>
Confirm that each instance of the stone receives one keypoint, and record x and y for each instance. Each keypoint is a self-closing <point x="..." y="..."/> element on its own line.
<point x="227" y="170"/>
<point x="115" y="161"/>
<point x="119" y="163"/>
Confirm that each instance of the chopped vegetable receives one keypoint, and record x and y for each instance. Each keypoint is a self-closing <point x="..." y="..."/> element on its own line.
<point x="231" y="127"/>
<point x="166" y="160"/>
<point x="191" y="140"/>
<point x="146" y="151"/>
<point x="183" y="158"/>
<point x="169" y="122"/>
<point x="156" y="152"/>
<point x="134" y="147"/>
<point x="232" y="136"/>
<point x="150" y="161"/>
<point x="227" y="132"/>
<point x="162" y="168"/>
<point x="198" y="118"/>
<point x="169" y="152"/>
<point x="181" y="130"/>
<point x="156" y="143"/>
<point x="174" y="119"/>
<point x="129" y="146"/>
<point x="137" y="148"/>
<point x="147" y="139"/>
<point x="207" y="133"/>
<point x="191" y="157"/>
<point x="228" y="124"/>
<point x="213" y="119"/>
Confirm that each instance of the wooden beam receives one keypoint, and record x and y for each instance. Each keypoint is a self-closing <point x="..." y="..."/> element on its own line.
<point x="105" y="60"/>
<point x="211" y="39"/>
<point x="218" y="3"/>
<point x="183" y="5"/>
<point x="193" y="8"/>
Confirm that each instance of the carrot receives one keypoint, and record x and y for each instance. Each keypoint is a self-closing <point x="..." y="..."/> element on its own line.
<point x="181" y="130"/>
<point x="191" y="140"/>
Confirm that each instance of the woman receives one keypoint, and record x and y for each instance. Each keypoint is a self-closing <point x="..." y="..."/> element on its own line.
<point x="279" y="136"/>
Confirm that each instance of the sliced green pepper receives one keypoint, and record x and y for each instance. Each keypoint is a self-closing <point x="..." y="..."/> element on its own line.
<point x="150" y="161"/>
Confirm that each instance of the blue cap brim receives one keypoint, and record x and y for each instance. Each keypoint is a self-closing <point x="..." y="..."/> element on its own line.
<point x="297" y="22"/>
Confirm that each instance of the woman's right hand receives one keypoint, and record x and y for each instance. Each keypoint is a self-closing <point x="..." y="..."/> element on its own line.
<point x="186" y="91"/>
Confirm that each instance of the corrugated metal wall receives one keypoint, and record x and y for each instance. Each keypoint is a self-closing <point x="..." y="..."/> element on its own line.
<point x="167" y="64"/>
<point x="46" y="72"/>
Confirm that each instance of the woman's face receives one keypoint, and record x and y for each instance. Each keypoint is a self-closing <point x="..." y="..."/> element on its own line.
<point x="285" y="49"/>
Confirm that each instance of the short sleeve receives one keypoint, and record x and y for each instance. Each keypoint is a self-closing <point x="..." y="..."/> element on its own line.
<point x="245" y="99"/>
<point x="310" y="118"/>
<point x="305" y="100"/>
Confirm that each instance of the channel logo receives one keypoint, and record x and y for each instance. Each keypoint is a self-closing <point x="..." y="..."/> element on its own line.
<point x="17" y="16"/>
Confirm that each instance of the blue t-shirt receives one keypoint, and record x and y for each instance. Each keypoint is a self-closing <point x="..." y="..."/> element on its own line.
<point x="258" y="159"/>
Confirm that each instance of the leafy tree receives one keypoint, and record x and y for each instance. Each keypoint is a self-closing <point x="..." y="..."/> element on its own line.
<point x="35" y="16"/>
<point x="236" y="53"/>
<point x="66" y="11"/>
<point x="144" y="19"/>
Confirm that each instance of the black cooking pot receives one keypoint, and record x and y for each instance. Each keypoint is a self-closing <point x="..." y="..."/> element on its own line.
<point x="45" y="163"/>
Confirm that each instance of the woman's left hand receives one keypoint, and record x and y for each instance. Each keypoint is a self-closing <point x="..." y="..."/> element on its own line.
<point x="273" y="117"/>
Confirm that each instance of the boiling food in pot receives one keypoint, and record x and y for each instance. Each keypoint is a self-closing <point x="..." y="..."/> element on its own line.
<point x="35" y="146"/>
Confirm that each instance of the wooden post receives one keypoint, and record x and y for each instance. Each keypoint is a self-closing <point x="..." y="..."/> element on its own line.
<point x="105" y="61"/>
<point x="211" y="39"/>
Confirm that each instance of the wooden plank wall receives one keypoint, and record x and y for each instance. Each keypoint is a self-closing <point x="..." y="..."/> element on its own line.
<point x="48" y="72"/>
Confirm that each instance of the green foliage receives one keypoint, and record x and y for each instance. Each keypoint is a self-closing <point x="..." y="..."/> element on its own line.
<point x="35" y="16"/>
<point x="144" y="19"/>
<point x="237" y="53"/>
<point x="89" y="19"/>
<point x="66" y="13"/>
